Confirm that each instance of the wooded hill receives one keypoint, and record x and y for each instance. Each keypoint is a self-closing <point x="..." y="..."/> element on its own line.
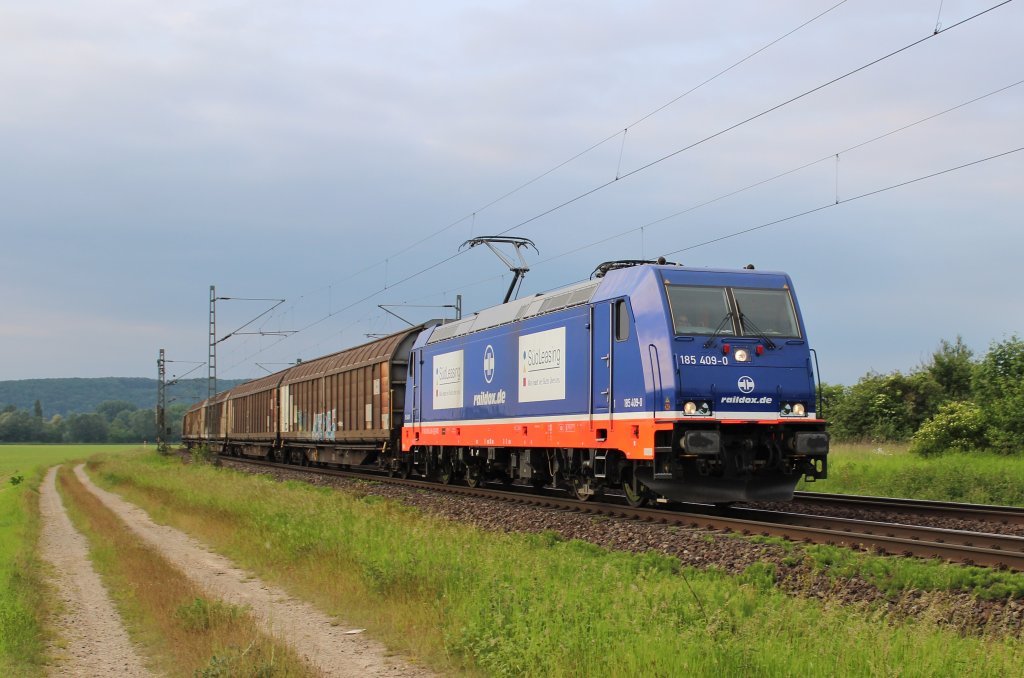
<point x="82" y="395"/>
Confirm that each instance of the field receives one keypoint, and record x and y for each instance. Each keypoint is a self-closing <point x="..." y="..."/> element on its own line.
<point x="889" y="470"/>
<point x="516" y="604"/>
<point x="21" y="602"/>
<point x="464" y="600"/>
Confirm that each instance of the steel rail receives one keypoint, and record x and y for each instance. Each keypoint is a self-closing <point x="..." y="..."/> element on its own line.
<point x="969" y="548"/>
<point x="1006" y="515"/>
<point x="938" y="535"/>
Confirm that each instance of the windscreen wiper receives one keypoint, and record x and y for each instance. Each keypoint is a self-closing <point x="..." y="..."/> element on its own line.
<point x="721" y="325"/>
<point x="758" y="332"/>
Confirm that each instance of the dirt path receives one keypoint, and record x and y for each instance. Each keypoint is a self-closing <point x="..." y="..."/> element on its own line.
<point x="97" y="643"/>
<point x="314" y="635"/>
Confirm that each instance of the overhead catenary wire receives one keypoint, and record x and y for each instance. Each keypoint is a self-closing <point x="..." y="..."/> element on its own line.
<point x="767" y="224"/>
<point x="780" y="175"/>
<point x="773" y="222"/>
<point x="630" y="173"/>
<point x="846" y="200"/>
<point x="473" y="215"/>
<point x="748" y="120"/>
<point x="826" y="206"/>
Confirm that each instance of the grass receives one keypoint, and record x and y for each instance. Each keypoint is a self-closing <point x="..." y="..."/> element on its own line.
<point x="23" y="605"/>
<point x="890" y="470"/>
<point x="183" y="633"/>
<point x="895" y="576"/>
<point x="514" y="604"/>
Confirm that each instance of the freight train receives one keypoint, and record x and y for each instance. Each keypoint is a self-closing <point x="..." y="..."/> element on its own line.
<point x="650" y="380"/>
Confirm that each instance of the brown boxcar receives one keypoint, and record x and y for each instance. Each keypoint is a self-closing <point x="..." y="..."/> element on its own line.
<point x="193" y="426"/>
<point x="252" y="416"/>
<point x="206" y="423"/>
<point x="344" y="408"/>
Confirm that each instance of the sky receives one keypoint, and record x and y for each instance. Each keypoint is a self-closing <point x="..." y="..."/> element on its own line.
<point x="337" y="155"/>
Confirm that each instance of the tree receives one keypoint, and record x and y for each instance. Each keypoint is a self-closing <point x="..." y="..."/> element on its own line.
<point x="109" y="409"/>
<point x="144" y="424"/>
<point x="952" y="367"/>
<point x="885" y="406"/>
<point x="55" y="429"/>
<point x="20" y="427"/>
<point x="38" y="409"/>
<point x="174" y="416"/>
<point x="999" y="389"/>
<point x="86" y="428"/>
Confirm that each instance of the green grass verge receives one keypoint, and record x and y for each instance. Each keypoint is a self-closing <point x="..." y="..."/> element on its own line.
<point x="22" y="603"/>
<point x="889" y="470"/>
<point x="515" y="604"/>
<point x="895" y="576"/>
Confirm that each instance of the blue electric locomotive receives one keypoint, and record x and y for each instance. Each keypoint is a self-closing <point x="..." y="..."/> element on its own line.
<point x="654" y="379"/>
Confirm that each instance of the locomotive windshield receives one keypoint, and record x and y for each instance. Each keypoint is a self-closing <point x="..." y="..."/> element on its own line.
<point x="700" y="310"/>
<point x="730" y="311"/>
<point x="766" y="312"/>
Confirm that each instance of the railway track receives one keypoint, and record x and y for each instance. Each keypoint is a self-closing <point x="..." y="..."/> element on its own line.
<point x="1005" y="515"/>
<point x="959" y="546"/>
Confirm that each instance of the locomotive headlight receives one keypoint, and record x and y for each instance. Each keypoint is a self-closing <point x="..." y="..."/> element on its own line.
<point x="741" y="355"/>
<point x="793" y="410"/>
<point x="700" y="409"/>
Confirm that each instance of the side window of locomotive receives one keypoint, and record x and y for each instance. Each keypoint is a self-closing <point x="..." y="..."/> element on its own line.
<point x="767" y="312"/>
<point x="699" y="310"/>
<point x="621" y="320"/>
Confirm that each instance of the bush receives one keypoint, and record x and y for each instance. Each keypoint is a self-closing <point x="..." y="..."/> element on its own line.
<point x="999" y="387"/>
<point x="882" y="407"/>
<point x="202" y="454"/>
<point x="958" y="425"/>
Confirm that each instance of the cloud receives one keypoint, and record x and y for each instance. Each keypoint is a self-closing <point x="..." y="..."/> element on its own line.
<point x="155" y="149"/>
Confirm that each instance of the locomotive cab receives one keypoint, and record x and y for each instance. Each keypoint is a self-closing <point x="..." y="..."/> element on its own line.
<point x="743" y="395"/>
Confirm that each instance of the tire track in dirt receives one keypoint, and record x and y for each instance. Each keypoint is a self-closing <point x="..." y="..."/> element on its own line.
<point x="314" y="635"/>
<point x="97" y="643"/>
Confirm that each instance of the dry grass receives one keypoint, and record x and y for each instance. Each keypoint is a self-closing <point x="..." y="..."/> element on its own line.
<point x="181" y="632"/>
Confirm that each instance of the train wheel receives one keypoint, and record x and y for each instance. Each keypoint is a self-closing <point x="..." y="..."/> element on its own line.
<point x="636" y="493"/>
<point x="582" y="487"/>
<point x="446" y="474"/>
<point x="474" y="476"/>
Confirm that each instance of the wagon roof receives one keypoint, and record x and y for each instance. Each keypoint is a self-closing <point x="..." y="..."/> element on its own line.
<point x="381" y="350"/>
<point x="257" y="385"/>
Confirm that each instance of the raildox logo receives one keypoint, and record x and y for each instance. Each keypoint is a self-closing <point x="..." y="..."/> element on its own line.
<point x="746" y="384"/>
<point x="489" y="364"/>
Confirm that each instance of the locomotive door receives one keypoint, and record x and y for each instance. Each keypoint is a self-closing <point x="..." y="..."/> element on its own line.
<point x="601" y="364"/>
